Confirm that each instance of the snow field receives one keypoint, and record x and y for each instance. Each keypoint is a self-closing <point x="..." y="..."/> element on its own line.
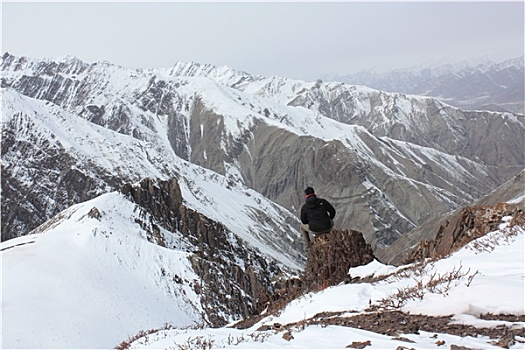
<point x="91" y="284"/>
<point x="497" y="287"/>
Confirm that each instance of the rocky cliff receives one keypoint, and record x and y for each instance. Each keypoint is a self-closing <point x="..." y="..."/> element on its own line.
<point x="236" y="279"/>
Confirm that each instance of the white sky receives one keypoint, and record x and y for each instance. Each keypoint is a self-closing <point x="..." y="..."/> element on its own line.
<point x="291" y="39"/>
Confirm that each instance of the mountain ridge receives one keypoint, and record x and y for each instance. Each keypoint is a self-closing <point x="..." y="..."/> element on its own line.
<point x="512" y="192"/>
<point x="466" y="85"/>
<point x="190" y="115"/>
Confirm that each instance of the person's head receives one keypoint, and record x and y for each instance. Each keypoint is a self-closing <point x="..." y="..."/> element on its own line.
<point x="309" y="191"/>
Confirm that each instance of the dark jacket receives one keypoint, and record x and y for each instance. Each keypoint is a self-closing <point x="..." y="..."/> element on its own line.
<point x="318" y="213"/>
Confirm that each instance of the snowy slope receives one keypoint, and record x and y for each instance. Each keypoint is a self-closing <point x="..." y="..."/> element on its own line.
<point x="85" y="280"/>
<point x="94" y="268"/>
<point x="88" y="283"/>
<point x="490" y="279"/>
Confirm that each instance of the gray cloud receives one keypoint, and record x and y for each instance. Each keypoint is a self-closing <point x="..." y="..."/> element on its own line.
<point x="292" y="39"/>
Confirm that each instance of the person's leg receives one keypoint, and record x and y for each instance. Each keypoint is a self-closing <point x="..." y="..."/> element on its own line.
<point x="306" y="236"/>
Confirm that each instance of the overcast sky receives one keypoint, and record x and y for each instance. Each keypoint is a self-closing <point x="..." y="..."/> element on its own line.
<point x="292" y="39"/>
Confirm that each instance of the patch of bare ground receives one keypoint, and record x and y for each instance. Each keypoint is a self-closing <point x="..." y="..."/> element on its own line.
<point x="395" y="323"/>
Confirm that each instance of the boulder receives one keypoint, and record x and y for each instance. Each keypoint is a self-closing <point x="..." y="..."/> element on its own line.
<point x="332" y="255"/>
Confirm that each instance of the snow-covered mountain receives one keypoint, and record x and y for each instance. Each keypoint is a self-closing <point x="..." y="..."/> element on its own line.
<point x="485" y="84"/>
<point x="388" y="161"/>
<point x="167" y="199"/>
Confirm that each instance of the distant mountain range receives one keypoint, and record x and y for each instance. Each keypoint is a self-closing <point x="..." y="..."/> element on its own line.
<point x="387" y="161"/>
<point x="467" y="85"/>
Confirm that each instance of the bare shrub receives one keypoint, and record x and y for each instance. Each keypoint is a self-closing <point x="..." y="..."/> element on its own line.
<point x="142" y="334"/>
<point x="490" y="241"/>
<point x="436" y="283"/>
<point x="197" y="343"/>
<point x="470" y="278"/>
<point x="235" y="340"/>
<point x="259" y="336"/>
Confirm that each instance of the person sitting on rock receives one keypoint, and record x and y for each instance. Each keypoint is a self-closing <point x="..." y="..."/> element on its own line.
<point x="317" y="217"/>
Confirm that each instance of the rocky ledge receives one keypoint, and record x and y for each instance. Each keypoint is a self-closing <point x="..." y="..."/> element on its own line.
<point x="328" y="262"/>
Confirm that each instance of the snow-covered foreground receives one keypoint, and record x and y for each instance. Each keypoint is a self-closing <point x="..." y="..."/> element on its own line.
<point x="489" y="278"/>
<point x="94" y="281"/>
<point x="89" y="283"/>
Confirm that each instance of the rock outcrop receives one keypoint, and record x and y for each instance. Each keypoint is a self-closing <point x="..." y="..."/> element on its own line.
<point x="236" y="280"/>
<point x="468" y="224"/>
<point x="332" y="255"/>
<point x="329" y="260"/>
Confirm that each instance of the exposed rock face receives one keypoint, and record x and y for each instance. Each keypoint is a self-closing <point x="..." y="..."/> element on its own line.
<point x="228" y="288"/>
<point x="470" y="223"/>
<point x="332" y="255"/>
<point x="161" y="199"/>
